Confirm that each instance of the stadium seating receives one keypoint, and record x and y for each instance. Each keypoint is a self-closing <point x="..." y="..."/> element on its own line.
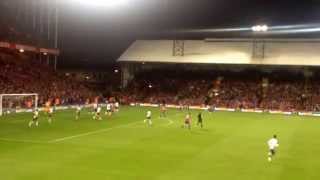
<point x="282" y="90"/>
<point x="22" y="74"/>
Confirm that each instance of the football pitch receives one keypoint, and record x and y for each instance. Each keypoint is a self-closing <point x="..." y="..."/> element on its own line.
<point x="232" y="145"/>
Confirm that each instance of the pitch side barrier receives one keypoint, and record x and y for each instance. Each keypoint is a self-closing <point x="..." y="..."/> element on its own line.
<point x="231" y="109"/>
<point x="178" y="107"/>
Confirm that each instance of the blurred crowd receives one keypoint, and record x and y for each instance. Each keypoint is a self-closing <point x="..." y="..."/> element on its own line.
<point x="21" y="74"/>
<point x="240" y="90"/>
<point x="279" y="90"/>
<point x="169" y="87"/>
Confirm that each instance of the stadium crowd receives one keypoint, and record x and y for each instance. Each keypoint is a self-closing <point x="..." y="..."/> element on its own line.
<point x="250" y="90"/>
<point x="286" y="91"/>
<point x="21" y="74"/>
<point x="174" y="88"/>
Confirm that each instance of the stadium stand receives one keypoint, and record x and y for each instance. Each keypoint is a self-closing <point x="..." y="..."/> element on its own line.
<point x="248" y="89"/>
<point x="283" y="74"/>
<point x="20" y="73"/>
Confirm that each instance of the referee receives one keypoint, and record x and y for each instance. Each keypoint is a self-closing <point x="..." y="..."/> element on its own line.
<point x="200" y="120"/>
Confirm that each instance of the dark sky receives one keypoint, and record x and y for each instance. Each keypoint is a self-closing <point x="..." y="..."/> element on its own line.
<point x="93" y="35"/>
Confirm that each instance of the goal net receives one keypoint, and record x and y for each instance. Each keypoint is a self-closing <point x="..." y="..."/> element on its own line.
<point x="12" y="103"/>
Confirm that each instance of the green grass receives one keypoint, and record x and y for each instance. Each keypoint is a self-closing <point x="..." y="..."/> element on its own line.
<point x="231" y="146"/>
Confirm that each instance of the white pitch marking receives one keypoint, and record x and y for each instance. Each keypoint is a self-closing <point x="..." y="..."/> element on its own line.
<point x="169" y="123"/>
<point x="170" y="120"/>
<point x="22" y="141"/>
<point x="92" y="132"/>
<point x="97" y="132"/>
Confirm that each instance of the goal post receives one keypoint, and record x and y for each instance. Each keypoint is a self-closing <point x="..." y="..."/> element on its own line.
<point x="14" y="102"/>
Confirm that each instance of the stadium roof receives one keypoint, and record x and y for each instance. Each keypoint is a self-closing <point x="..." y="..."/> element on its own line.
<point x="226" y="51"/>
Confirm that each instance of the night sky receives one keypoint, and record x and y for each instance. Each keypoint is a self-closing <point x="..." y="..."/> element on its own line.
<point x="96" y="36"/>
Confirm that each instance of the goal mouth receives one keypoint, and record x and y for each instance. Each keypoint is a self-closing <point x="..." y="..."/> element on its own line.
<point x="13" y="103"/>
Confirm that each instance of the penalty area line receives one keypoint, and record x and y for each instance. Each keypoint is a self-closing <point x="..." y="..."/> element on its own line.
<point x="170" y="121"/>
<point x="91" y="132"/>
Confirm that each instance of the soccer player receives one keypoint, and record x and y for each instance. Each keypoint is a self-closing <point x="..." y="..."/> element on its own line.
<point x="112" y="107"/>
<point x="187" y="121"/>
<point x="109" y="109"/>
<point x="200" y="120"/>
<point x="50" y="113"/>
<point x="116" y="106"/>
<point x="148" y="119"/>
<point x="163" y="110"/>
<point x="180" y="106"/>
<point x="273" y="144"/>
<point x="95" y="107"/>
<point x="78" y="110"/>
<point x="35" y="118"/>
<point x="97" y="114"/>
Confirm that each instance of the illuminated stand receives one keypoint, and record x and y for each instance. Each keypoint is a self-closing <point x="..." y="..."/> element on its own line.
<point x="8" y="101"/>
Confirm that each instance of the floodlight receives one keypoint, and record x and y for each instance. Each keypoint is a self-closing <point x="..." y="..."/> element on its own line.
<point x="264" y="28"/>
<point x="21" y="50"/>
<point x="101" y="3"/>
<point x="260" y="28"/>
<point x="254" y="28"/>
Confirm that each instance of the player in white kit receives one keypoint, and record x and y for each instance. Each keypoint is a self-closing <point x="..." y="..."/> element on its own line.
<point x="116" y="106"/>
<point x="109" y="109"/>
<point x="78" y="111"/>
<point x="97" y="114"/>
<point x="272" y="144"/>
<point x="148" y="118"/>
<point x="34" y="118"/>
